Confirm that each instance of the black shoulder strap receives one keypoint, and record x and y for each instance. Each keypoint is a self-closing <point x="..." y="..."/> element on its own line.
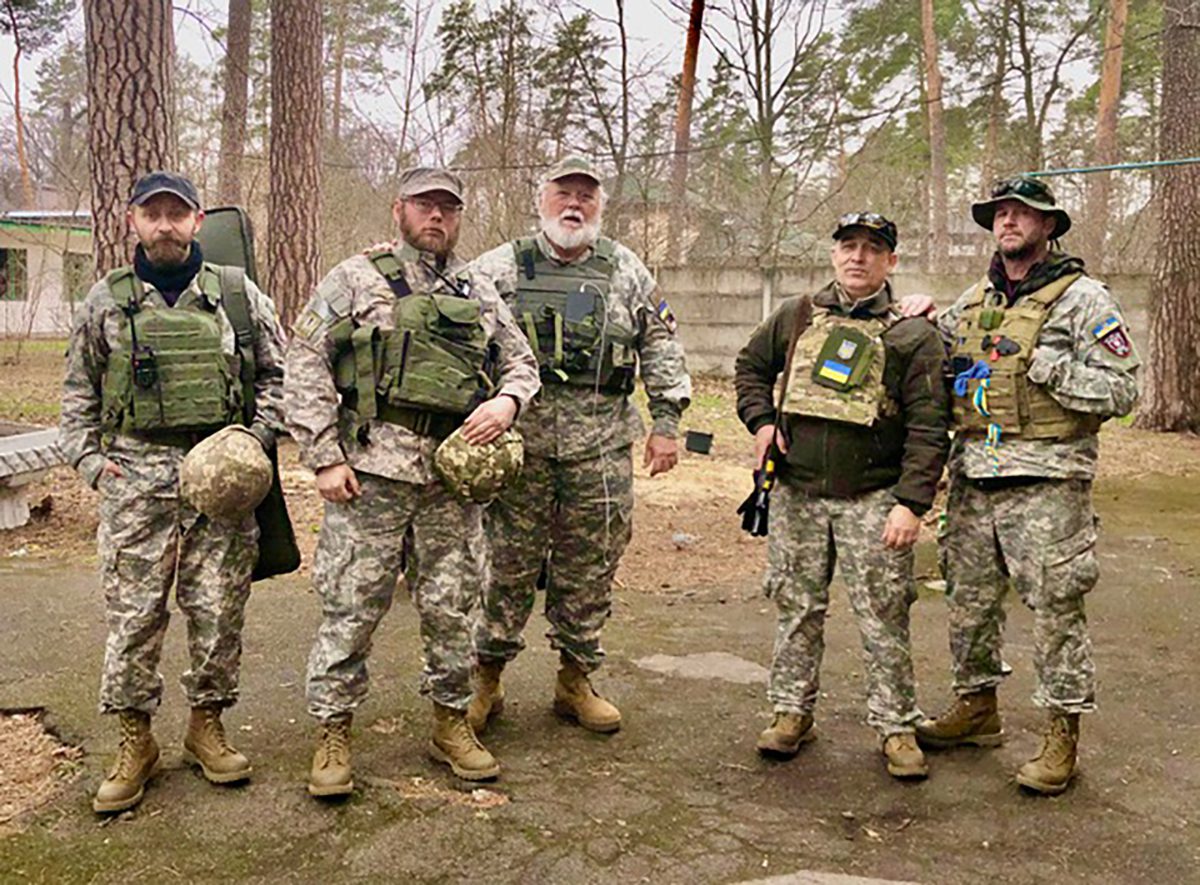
<point x="526" y="250"/>
<point x="237" y="308"/>
<point x="392" y="270"/>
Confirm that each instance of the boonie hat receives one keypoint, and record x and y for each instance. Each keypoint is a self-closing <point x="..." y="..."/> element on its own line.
<point x="1029" y="191"/>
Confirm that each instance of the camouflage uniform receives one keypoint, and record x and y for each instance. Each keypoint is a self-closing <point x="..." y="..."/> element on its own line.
<point x="358" y="558"/>
<point x="574" y="500"/>
<point x="1028" y="517"/>
<point x="837" y="484"/>
<point x="149" y="539"/>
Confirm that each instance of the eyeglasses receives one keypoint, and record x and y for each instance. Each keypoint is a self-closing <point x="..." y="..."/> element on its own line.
<point x="1024" y="187"/>
<point x="426" y="206"/>
<point x="864" y="219"/>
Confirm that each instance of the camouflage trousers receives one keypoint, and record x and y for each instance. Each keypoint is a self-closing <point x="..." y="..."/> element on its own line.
<point x="357" y="566"/>
<point x="809" y="535"/>
<point x="150" y="541"/>
<point x="1042" y="537"/>
<point x="577" y="513"/>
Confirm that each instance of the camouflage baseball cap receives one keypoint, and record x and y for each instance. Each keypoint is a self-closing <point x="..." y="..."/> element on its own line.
<point x="227" y="475"/>
<point x="479" y="473"/>
<point x="574" y="165"/>
<point x="1029" y="191"/>
<point x="872" y="222"/>
<point x="425" y="179"/>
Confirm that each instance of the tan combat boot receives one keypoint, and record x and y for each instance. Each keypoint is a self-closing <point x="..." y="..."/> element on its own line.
<point x="455" y="744"/>
<point x="904" y="757"/>
<point x="330" y="775"/>
<point x="137" y="757"/>
<point x="574" y="698"/>
<point x="1051" y="769"/>
<point x="787" y="732"/>
<point x="205" y="745"/>
<point x="488" y="700"/>
<point x="973" y="719"/>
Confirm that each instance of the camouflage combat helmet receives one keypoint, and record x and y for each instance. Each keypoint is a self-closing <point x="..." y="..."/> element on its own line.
<point x="227" y="475"/>
<point x="479" y="473"/>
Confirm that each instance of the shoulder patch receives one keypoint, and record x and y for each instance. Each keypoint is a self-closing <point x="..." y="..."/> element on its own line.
<point x="1117" y="342"/>
<point x="667" y="317"/>
<point x="1105" y="326"/>
<point x="308" y="324"/>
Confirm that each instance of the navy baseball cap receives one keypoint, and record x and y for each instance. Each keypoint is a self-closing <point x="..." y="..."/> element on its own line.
<point x="162" y="182"/>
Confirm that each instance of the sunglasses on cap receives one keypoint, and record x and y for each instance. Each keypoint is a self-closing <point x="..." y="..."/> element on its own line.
<point x="1023" y="187"/>
<point x="873" y="220"/>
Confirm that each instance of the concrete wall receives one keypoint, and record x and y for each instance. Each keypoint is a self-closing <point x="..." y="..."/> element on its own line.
<point x="718" y="307"/>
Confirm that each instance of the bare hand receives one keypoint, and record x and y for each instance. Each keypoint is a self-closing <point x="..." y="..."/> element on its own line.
<point x="662" y="453"/>
<point x="489" y="420"/>
<point x="762" y="442"/>
<point x="901" y="529"/>
<point x="337" y="483"/>
<point x="110" y="468"/>
<point x="918" y="306"/>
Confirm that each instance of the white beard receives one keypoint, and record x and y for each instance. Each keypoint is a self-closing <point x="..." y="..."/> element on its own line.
<point x="566" y="238"/>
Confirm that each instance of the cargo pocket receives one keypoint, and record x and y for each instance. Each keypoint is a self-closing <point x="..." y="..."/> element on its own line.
<point x="1070" y="568"/>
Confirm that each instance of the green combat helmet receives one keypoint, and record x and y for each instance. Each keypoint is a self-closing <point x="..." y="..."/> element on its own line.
<point x="479" y="473"/>
<point x="227" y="475"/>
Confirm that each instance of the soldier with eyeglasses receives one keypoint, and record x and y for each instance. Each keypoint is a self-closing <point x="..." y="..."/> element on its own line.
<point x="1041" y="357"/>
<point x="859" y="439"/>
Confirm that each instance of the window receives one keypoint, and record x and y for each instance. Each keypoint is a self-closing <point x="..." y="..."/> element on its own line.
<point x="78" y="276"/>
<point x="14" y="276"/>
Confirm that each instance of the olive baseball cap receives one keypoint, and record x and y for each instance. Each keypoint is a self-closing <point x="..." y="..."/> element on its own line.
<point x="872" y="222"/>
<point x="1029" y="191"/>
<point x="425" y="179"/>
<point x="573" y="166"/>
<point x="162" y="182"/>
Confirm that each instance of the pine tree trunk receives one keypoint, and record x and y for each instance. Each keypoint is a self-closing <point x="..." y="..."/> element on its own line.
<point x="1171" y="393"/>
<point x="233" y="111"/>
<point x="683" y="135"/>
<point x="1099" y="184"/>
<point x="996" y="106"/>
<point x="938" y="215"/>
<point x="131" y="128"/>
<point x="293" y="245"/>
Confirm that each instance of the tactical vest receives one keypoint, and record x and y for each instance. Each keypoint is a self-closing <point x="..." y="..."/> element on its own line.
<point x="435" y="359"/>
<point x="837" y="370"/>
<point x="563" y="310"/>
<point x="169" y="371"/>
<point x="1003" y="338"/>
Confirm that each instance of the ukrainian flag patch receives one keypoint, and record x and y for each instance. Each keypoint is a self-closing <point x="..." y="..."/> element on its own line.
<point x="834" y="371"/>
<point x="1105" y="326"/>
<point x="668" y="318"/>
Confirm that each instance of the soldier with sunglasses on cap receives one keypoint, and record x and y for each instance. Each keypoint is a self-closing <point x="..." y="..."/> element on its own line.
<point x="1040" y="357"/>
<point x="859" y="434"/>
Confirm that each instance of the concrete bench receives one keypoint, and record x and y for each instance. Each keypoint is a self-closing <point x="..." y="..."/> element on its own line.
<point x="26" y="453"/>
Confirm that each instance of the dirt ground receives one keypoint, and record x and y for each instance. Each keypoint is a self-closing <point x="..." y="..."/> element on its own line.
<point x="679" y="794"/>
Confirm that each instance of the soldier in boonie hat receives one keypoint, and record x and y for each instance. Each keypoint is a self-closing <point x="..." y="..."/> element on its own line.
<point x="1031" y="192"/>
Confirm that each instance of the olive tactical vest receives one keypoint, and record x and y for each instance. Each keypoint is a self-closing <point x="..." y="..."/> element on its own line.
<point x="837" y="370"/>
<point x="564" y="314"/>
<point x="1004" y="338"/>
<point x="169" y="371"/>
<point x="435" y="359"/>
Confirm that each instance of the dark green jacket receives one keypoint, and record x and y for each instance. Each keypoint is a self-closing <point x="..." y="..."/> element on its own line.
<point x="905" y="451"/>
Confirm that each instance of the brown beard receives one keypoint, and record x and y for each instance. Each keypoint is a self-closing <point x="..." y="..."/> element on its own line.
<point x="439" y="246"/>
<point x="167" y="252"/>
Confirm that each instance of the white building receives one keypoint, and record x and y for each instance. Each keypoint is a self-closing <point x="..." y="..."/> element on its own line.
<point x="45" y="268"/>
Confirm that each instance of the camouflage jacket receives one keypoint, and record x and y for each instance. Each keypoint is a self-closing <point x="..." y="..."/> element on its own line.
<point x="355" y="289"/>
<point x="97" y="327"/>
<point x="572" y="423"/>
<point x="1077" y="368"/>
<point x="905" y="449"/>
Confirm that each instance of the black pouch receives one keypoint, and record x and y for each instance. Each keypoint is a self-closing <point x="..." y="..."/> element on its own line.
<point x="277" y="550"/>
